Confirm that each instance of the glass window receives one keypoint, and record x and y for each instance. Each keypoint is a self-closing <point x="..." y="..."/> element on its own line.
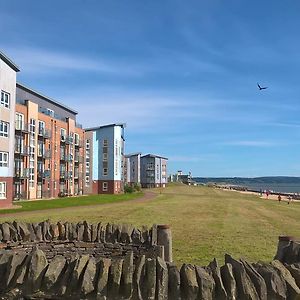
<point x="2" y="190"/>
<point x="4" y="129"/>
<point x="5" y="99"/>
<point x="3" y="159"/>
<point x="104" y="186"/>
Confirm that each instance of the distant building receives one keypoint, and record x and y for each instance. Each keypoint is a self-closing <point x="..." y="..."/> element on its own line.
<point x="132" y="168"/>
<point x="104" y="155"/>
<point x="153" y="171"/>
<point x="8" y="72"/>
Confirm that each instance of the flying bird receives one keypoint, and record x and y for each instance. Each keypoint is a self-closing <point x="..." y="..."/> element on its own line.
<point x="261" y="88"/>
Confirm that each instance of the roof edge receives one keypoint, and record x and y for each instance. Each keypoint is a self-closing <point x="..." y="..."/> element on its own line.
<point x="9" y="62"/>
<point x="24" y="87"/>
<point x="123" y="125"/>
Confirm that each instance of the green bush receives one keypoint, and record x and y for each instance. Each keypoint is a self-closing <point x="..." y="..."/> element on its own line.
<point x="128" y="189"/>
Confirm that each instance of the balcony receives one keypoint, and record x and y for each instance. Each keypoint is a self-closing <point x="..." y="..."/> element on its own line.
<point x="62" y="174"/>
<point x="21" y="127"/>
<point x="44" y="133"/>
<point x="62" y="156"/>
<point x="20" y="196"/>
<point x="79" y="144"/>
<point x="69" y="139"/>
<point x="44" y="154"/>
<point x="21" y="173"/>
<point x="76" y="173"/>
<point x="69" y="158"/>
<point x="43" y="174"/>
<point x="21" y="150"/>
<point x="69" y="175"/>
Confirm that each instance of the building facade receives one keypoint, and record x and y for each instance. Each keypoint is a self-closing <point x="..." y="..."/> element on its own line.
<point x="8" y="72"/>
<point x="132" y="168"/>
<point x="153" y="171"/>
<point x="104" y="159"/>
<point x="48" y="147"/>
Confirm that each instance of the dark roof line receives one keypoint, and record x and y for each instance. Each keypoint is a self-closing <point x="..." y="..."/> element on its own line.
<point x="22" y="86"/>
<point x="123" y="125"/>
<point x="133" y="154"/>
<point x="153" y="155"/>
<point x="9" y="62"/>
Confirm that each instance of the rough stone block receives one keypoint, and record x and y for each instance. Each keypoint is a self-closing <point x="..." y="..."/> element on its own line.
<point x="216" y="273"/>
<point x="161" y="279"/>
<point x="206" y="284"/>
<point x="103" y="266"/>
<point x="189" y="283"/>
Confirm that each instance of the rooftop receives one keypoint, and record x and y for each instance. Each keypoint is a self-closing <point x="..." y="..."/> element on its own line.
<point x="133" y="154"/>
<point x="27" y="89"/>
<point x="9" y="62"/>
<point x="154" y="156"/>
<point x="123" y="125"/>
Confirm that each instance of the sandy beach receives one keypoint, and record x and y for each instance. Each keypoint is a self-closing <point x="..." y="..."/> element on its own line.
<point x="263" y="196"/>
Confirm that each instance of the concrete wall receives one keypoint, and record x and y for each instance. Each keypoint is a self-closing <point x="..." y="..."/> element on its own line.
<point x="8" y="85"/>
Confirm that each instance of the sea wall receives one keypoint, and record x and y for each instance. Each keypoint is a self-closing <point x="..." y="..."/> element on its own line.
<point x="33" y="274"/>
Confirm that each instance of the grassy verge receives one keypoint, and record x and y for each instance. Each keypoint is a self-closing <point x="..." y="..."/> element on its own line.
<point x="205" y="222"/>
<point x="69" y="202"/>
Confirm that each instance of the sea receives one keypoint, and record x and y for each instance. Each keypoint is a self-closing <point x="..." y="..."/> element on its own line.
<point x="276" y="184"/>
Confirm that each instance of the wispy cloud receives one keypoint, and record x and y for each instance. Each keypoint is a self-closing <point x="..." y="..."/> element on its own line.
<point x="251" y="143"/>
<point x="39" y="61"/>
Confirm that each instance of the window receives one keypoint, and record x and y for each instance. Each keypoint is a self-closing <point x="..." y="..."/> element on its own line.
<point x="3" y="159"/>
<point x="87" y="144"/>
<point x="41" y="127"/>
<point x="5" y="99"/>
<point x="2" y="190"/>
<point x="4" y="129"/>
<point x="32" y="126"/>
<point x="104" y="156"/>
<point x="105" y="171"/>
<point x="63" y="134"/>
<point x="50" y="112"/>
<point x="104" y="186"/>
<point x="76" y="137"/>
<point x="54" y="183"/>
<point x="105" y="143"/>
<point x="19" y="121"/>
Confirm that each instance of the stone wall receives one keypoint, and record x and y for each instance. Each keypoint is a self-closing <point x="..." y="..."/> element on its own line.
<point x="33" y="274"/>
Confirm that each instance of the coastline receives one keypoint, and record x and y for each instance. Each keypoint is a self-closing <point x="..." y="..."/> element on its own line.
<point x="271" y="196"/>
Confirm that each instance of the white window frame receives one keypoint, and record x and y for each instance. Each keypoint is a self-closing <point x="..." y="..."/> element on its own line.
<point x="50" y="112"/>
<point x="4" y="129"/>
<point x="4" y="159"/>
<point x="105" y="171"/>
<point x="5" y="99"/>
<point x="19" y="121"/>
<point x="104" y="186"/>
<point x="105" y="143"/>
<point x="2" y="190"/>
<point x="105" y="157"/>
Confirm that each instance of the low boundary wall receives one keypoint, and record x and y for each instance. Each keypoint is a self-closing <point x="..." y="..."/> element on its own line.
<point x="30" y="272"/>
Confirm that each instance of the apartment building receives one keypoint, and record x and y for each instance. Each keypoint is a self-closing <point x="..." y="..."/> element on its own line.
<point x="104" y="155"/>
<point x="48" y="147"/>
<point x="132" y="168"/>
<point x="8" y="72"/>
<point x="153" y="171"/>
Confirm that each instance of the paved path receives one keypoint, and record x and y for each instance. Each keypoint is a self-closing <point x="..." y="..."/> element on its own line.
<point x="145" y="198"/>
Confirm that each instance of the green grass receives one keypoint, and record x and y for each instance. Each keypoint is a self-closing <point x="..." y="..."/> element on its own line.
<point x="69" y="202"/>
<point x="205" y="222"/>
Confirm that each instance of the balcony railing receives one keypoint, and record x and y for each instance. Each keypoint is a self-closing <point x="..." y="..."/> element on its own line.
<point x="69" y="157"/>
<point x="69" y="139"/>
<point x="63" y="174"/>
<point x="20" y="196"/>
<point x="62" y="156"/>
<point x="63" y="138"/>
<point x="21" y="126"/>
<point x="45" y="133"/>
<point x="22" y="150"/>
<point x="79" y="144"/>
<point x="43" y="174"/>
<point x="22" y="173"/>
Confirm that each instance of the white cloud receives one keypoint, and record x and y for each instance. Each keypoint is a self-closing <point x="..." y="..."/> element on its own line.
<point x="37" y="61"/>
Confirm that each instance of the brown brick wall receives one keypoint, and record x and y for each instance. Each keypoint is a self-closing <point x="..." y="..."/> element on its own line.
<point x="9" y="192"/>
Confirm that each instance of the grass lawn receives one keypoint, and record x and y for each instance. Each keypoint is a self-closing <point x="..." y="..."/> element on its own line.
<point x="69" y="202"/>
<point x="205" y="222"/>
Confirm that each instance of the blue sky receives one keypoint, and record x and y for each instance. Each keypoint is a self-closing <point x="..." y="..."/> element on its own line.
<point x="181" y="74"/>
